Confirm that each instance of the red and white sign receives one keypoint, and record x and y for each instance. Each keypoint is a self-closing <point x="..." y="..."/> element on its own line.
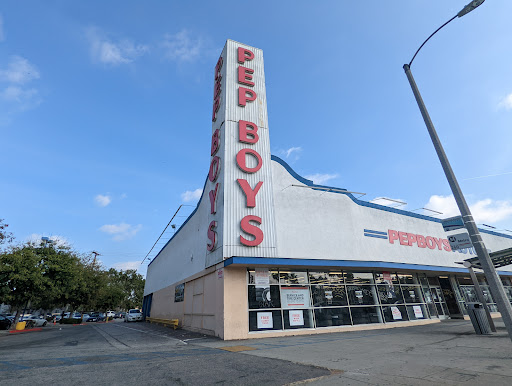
<point x="265" y="320"/>
<point x="397" y="315"/>
<point x="296" y="317"/>
<point x="295" y="297"/>
<point x="418" y="312"/>
<point x="239" y="185"/>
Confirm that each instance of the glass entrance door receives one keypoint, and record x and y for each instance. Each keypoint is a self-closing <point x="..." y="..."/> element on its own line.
<point x="449" y="297"/>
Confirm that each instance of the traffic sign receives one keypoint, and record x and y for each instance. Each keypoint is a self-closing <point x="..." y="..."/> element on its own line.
<point x="452" y="223"/>
<point x="460" y="241"/>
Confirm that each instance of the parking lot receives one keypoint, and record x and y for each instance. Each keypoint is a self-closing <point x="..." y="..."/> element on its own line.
<point x="443" y="353"/>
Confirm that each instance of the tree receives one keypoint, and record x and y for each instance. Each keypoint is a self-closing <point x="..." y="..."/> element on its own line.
<point x="5" y="237"/>
<point x="21" y="276"/>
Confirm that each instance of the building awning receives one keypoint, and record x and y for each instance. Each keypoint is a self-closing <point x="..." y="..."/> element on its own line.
<point x="498" y="258"/>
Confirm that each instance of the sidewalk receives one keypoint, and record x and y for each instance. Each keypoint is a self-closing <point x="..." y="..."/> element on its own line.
<point x="447" y="353"/>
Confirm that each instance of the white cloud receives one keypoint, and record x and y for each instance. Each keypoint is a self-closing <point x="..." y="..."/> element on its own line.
<point x="321" y="178"/>
<point x="506" y="102"/>
<point x="112" y="53"/>
<point x="121" y="231"/>
<point x="19" y="71"/>
<point x="191" y="195"/>
<point x="58" y="241"/>
<point x="102" y="200"/>
<point x="486" y="210"/>
<point x="292" y="150"/>
<point x="2" y="38"/>
<point x="125" y="265"/>
<point x="182" y="47"/>
<point x="17" y="94"/>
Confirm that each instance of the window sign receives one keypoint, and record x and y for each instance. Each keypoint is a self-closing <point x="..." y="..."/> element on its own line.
<point x="397" y="315"/>
<point x="179" y="293"/>
<point x="265" y="320"/>
<point x="261" y="277"/>
<point x="295" y="297"/>
<point x="296" y="318"/>
<point x="412" y="294"/>
<point x="417" y="311"/>
<point x="328" y="295"/>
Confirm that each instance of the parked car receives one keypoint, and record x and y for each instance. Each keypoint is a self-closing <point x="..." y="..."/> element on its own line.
<point x="5" y="322"/>
<point x="96" y="317"/>
<point x="133" y="315"/>
<point x="111" y="314"/>
<point x="36" y="321"/>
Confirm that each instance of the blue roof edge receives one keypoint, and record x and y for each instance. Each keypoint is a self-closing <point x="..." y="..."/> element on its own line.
<point x="366" y="203"/>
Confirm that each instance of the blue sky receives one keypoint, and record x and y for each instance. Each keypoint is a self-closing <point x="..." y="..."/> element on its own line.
<point x="105" y="108"/>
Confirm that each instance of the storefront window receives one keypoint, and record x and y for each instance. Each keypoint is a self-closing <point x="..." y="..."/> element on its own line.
<point x="395" y="314"/>
<point x="294" y="299"/>
<point x="293" y="277"/>
<point x="417" y="312"/>
<point x="329" y="295"/>
<point x="326" y="277"/>
<point x="386" y="278"/>
<point x="359" y="277"/>
<point x="464" y="280"/>
<point x="329" y="317"/>
<point x="390" y="294"/>
<point x="297" y="319"/>
<point x="412" y="294"/>
<point x="265" y="320"/>
<point x="263" y="276"/>
<point x="469" y="293"/>
<point x="359" y="295"/>
<point x="264" y="297"/>
<point x="407" y="279"/>
<point x="365" y="315"/>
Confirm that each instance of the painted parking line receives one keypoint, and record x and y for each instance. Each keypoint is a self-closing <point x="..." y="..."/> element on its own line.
<point x="20" y="365"/>
<point x="152" y="333"/>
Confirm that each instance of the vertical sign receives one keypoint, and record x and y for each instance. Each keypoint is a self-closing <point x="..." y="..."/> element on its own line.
<point x="241" y="210"/>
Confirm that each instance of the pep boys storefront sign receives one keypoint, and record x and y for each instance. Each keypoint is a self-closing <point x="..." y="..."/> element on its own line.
<point x="241" y="212"/>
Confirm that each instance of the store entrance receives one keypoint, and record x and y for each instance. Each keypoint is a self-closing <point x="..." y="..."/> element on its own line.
<point x="449" y="297"/>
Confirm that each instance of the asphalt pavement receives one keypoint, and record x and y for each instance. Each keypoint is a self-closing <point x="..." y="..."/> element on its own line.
<point x="134" y="354"/>
<point x="446" y="353"/>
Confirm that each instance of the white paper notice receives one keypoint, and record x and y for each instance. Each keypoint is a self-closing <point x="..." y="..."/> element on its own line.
<point x="295" y="297"/>
<point x="397" y="315"/>
<point x="296" y="318"/>
<point x="265" y="320"/>
<point x="417" y="311"/>
<point x="261" y="277"/>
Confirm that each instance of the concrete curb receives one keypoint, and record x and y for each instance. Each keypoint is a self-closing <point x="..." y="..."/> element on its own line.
<point x="26" y="330"/>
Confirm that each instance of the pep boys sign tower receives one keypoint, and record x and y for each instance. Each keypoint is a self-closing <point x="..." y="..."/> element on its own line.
<point x="239" y="185"/>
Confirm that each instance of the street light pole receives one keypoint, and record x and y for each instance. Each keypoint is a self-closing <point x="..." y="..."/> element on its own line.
<point x="495" y="284"/>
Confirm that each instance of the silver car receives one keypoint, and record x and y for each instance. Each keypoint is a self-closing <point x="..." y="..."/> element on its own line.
<point x="133" y="315"/>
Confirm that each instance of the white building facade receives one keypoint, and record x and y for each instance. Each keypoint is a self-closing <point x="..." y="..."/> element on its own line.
<point x="268" y="253"/>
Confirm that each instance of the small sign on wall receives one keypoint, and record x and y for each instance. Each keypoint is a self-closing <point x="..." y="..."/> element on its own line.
<point x="296" y="318"/>
<point x="418" y="312"/>
<point x="265" y="320"/>
<point x="397" y="315"/>
<point x="179" y="293"/>
<point x="220" y="273"/>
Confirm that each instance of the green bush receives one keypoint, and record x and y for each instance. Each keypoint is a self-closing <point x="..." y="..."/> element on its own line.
<point x="70" y="321"/>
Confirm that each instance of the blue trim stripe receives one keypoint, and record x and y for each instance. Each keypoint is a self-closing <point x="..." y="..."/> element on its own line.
<point x="313" y="263"/>
<point x="376" y="236"/>
<point x="375" y="232"/>
<point x="370" y="204"/>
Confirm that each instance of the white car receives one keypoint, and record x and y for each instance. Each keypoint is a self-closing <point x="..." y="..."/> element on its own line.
<point x="133" y="315"/>
<point x="38" y="320"/>
<point x="111" y="314"/>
